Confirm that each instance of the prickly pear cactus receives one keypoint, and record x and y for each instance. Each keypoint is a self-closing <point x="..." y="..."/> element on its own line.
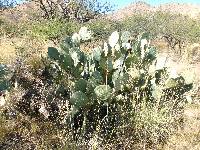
<point x="119" y="68"/>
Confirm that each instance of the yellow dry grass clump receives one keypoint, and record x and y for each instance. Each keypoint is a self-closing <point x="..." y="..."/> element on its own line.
<point x="187" y="138"/>
<point x="31" y="48"/>
<point x="7" y="51"/>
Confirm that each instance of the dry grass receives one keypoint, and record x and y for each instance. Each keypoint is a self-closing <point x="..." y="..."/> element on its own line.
<point x="161" y="45"/>
<point x="32" y="47"/>
<point x="7" y="51"/>
<point x="188" y="137"/>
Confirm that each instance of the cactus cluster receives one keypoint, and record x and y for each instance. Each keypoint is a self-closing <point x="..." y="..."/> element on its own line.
<point x="116" y="66"/>
<point x="120" y="72"/>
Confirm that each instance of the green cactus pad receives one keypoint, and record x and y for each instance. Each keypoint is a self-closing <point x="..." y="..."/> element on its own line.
<point x="157" y="93"/>
<point x="81" y="85"/>
<point x="97" y="76"/>
<point x="103" y="92"/>
<point x="150" y="55"/>
<point x="170" y="83"/>
<point x="66" y="45"/>
<point x="131" y="61"/>
<point x="66" y="62"/>
<point x="106" y="63"/>
<point x="79" y="99"/>
<point x="119" y="80"/>
<point x="53" y="53"/>
<point x="4" y="85"/>
<point x="4" y="77"/>
<point x="76" y="71"/>
<point x="97" y="53"/>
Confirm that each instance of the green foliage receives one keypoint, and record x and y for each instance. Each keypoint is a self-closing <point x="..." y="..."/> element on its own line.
<point x="4" y="77"/>
<point x="176" y="29"/>
<point x="79" y="99"/>
<point x="102" y="28"/>
<point x="137" y="23"/>
<point x="103" y="92"/>
<point x="53" y="29"/>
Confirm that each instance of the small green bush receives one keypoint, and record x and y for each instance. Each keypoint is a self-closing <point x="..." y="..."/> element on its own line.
<point x="53" y="29"/>
<point x="102" y="28"/>
<point x="176" y="29"/>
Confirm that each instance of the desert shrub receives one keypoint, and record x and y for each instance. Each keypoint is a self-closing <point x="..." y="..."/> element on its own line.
<point x="114" y="94"/>
<point x="176" y="29"/>
<point x="137" y="24"/>
<point x="102" y="28"/>
<point x="80" y="10"/>
<point x="12" y="29"/>
<point x="53" y="30"/>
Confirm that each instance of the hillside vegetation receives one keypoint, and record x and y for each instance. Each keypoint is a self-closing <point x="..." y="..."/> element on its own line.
<point x="74" y="77"/>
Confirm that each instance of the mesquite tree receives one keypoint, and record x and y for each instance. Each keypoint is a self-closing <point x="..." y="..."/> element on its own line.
<point x="81" y="10"/>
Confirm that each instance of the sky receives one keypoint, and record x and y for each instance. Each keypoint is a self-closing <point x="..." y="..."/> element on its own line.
<point x="123" y="3"/>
